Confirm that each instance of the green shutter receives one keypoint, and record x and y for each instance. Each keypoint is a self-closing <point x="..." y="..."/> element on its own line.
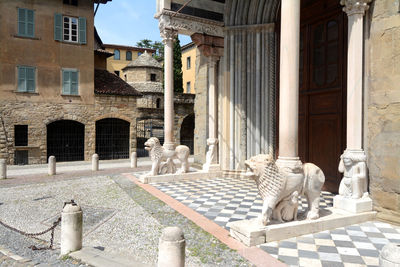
<point x="21" y="21"/>
<point x="30" y="23"/>
<point x="66" y="82"/>
<point x="82" y="30"/>
<point x="58" y="27"/>
<point x="74" y="82"/>
<point x="21" y="79"/>
<point x="30" y="79"/>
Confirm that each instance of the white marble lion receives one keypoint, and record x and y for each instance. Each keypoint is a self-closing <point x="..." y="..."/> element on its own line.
<point x="163" y="159"/>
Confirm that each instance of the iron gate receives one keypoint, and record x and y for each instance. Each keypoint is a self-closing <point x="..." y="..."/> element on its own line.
<point x="65" y="140"/>
<point x="146" y="128"/>
<point x="112" y="139"/>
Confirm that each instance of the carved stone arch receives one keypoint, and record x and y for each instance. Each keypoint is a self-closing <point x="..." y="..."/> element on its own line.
<point x="250" y="12"/>
<point x="68" y="117"/>
<point x="115" y="116"/>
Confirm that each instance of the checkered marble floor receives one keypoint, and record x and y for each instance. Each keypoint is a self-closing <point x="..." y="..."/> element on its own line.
<point x="224" y="200"/>
<point x="355" y="245"/>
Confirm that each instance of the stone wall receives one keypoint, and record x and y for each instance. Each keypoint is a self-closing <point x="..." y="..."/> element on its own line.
<point x="38" y="115"/>
<point x="383" y="106"/>
<point x="201" y="109"/>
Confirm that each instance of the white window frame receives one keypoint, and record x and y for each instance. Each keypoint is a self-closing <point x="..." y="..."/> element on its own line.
<point x="70" y="29"/>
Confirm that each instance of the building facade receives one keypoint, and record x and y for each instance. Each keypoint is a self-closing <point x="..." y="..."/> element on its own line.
<point x="322" y="83"/>
<point x="189" y="53"/>
<point x="56" y="98"/>
<point x="123" y="55"/>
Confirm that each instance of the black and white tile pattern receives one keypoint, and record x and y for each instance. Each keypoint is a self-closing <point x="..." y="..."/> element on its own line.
<point x="224" y="200"/>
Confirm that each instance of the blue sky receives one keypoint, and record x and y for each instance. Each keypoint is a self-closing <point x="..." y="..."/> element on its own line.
<point x="125" y="22"/>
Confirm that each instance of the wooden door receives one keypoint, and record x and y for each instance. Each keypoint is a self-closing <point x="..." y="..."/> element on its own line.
<point x="322" y="87"/>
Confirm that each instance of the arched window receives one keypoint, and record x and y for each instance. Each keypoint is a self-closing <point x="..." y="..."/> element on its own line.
<point x="116" y="54"/>
<point x="128" y="55"/>
<point x="158" y="103"/>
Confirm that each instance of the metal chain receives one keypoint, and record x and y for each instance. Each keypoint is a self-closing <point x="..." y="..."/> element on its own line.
<point x="52" y="228"/>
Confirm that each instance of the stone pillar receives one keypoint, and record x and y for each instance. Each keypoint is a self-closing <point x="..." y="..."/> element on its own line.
<point x="213" y="48"/>
<point x="52" y="165"/>
<point x="71" y="228"/>
<point x="3" y="169"/>
<point x="353" y="195"/>
<point x="169" y="36"/>
<point x="289" y="85"/>
<point x="134" y="160"/>
<point x="171" y="250"/>
<point x="95" y="162"/>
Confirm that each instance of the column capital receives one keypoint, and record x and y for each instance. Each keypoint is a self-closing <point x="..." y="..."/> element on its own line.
<point x="168" y="34"/>
<point x="210" y="46"/>
<point x="352" y="7"/>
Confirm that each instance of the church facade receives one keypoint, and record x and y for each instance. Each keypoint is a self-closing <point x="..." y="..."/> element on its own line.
<point x="300" y="80"/>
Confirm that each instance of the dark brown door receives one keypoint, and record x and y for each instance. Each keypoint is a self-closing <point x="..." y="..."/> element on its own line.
<point x="322" y="87"/>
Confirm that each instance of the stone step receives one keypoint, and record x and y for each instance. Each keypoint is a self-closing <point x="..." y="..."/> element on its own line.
<point x="99" y="258"/>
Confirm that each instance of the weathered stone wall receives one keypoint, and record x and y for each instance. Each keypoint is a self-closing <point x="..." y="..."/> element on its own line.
<point x="383" y="106"/>
<point x="38" y="115"/>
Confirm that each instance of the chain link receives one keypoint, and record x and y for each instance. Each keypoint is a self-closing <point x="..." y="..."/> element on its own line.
<point x="52" y="228"/>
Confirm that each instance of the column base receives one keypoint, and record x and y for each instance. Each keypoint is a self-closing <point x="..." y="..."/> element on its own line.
<point x="211" y="167"/>
<point x="169" y="146"/>
<point x="352" y="205"/>
<point x="288" y="162"/>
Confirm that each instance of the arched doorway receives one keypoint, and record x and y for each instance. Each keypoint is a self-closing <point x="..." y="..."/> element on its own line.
<point x="322" y="88"/>
<point x="66" y="140"/>
<point x="112" y="138"/>
<point x="187" y="132"/>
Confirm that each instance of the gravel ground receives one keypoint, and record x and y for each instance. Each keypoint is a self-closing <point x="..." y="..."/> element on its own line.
<point x="120" y="218"/>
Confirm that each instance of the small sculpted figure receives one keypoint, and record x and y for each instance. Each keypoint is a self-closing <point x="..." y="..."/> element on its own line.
<point x="286" y="210"/>
<point x="163" y="159"/>
<point x="354" y="181"/>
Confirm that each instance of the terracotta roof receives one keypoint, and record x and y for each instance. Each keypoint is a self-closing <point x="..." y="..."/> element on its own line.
<point x="144" y="60"/>
<point x="107" y="83"/>
<point x="142" y="49"/>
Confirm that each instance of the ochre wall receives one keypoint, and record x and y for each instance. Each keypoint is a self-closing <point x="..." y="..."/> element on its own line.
<point x="43" y="52"/>
<point x="189" y="75"/>
<point x="383" y="106"/>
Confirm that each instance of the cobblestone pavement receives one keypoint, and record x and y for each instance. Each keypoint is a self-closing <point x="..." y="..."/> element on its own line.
<point x="119" y="218"/>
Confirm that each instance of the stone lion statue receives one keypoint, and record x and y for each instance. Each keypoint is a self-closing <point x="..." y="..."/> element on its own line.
<point x="280" y="188"/>
<point x="163" y="159"/>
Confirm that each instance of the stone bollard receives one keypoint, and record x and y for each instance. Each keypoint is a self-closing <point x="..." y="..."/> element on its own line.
<point x="71" y="228"/>
<point x="134" y="160"/>
<point x="52" y="165"/>
<point x="390" y="256"/>
<point x="171" y="251"/>
<point x="95" y="162"/>
<point x="3" y="169"/>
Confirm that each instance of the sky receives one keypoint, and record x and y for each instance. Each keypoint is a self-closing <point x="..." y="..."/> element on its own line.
<point x="125" y="22"/>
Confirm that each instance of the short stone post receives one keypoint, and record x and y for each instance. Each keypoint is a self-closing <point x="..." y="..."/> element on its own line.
<point x="71" y="228"/>
<point x="52" y="165"/>
<point x="390" y="256"/>
<point x="95" y="162"/>
<point x="134" y="160"/>
<point x="171" y="251"/>
<point x="3" y="169"/>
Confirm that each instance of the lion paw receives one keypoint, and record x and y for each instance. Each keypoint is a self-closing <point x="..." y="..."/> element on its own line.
<point x="312" y="215"/>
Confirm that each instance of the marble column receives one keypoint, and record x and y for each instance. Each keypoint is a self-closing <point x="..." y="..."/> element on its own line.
<point x="353" y="195"/>
<point x="289" y="85"/>
<point x="212" y="141"/>
<point x="169" y="36"/>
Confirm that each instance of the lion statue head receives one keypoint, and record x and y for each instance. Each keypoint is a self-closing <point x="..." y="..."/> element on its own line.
<point x="257" y="164"/>
<point x="154" y="147"/>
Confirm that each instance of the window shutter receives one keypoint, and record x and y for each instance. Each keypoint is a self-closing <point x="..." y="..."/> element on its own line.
<point x="30" y="80"/>
<point x="66" y="82"/>
<point x="74" y="82"/>
<point x="58" y="27"/>
<point x="21" y="21"/>
<point x="30" y="23"/>
<point x="82" y="30"/>
<point x="21" y="79"/>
